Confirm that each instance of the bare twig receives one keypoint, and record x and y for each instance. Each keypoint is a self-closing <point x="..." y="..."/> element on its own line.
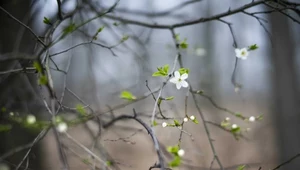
<point x="149" y="130"/>
<point x="286" y="162"/>
<point x="21" y="23"/>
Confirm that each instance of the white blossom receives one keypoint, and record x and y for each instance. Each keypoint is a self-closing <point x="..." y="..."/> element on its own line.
<point x="252" y="119"/>
<point x="227" y="118"/>
<point x="192" y="117"/>
<point x="180" y="152"/>
<point x="234" y="126"/>
<point x="164" y="124"/>
<point x="185" y="119"/>
<point x="31" y="119"/>
<point x="242" y="53"/>
<point x="200" y="51"/>
<point x="179" y="80"/>
<point x="62" y="127"/>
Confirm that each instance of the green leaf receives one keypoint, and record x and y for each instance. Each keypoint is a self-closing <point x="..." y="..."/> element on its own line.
<point x="177" y="37"/>
<point x="170" y="98"/>
<point x="47" y="21"/>
<point x="241" y="167"/>
<point x="236" y="130"/>
<point x="252" y="47"/>
<point x="184" y="44"/>
<point x="225" y="124"/>
<point x="116" y="24"/>
<point x="5" y="128"/>
<point x="100" y="29"/>
<point x="37" y="66"/>
<point x="260" y="117"/>
<point x="161" y="71"/>
<point x="166" y="68"/>
<point x="3" y="109"/>
<point x="86" y="161"/>
<point x="159" y="101"/>
<point x="127" y="95"/>
<point x="200" y="92"/>
<point x="109" y="163"/>
<point x="81" y="110"/>
<point x="176" y="122"/>
<point x="156" y="74"/>
<point x="58" y="119"/>
<point x="43" y="80"/>
<point x="175" y="162"/>
<point x="239" y="115"/>
<point x="70" y="28"/>
<point x="124" y="38"/>
<point x="173" y="149"/>
<point x="195" y="121"/>
<point x="184" y="70"/>
<point x="154" y="123"/>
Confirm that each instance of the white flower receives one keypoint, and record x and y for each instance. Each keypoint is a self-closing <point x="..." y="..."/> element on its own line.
<point x="31" y="119"/>
<point x="192" y="117"/>
<point x="62" y="127"/>
<point x="227" y="118"/>
<point x="237" y="89"/>
<point x="185" y="119"/>
<point x="180" y="152"/>
<point x="179" y="80"/>
<point x="242" y="53"/>
<point x="252" y="119"/>
<point x="234" y="126"/>
<point x="164" y="124"/>
<point x="200" y="51"/>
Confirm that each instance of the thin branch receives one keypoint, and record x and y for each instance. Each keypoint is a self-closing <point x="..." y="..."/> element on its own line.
<point x="210" y="140"/>
<point x="36" y="140"/>
<point x="149" y="130"/>
<point x="59" y="14"/>
<point x="286" y="162"/>
<point x="158" y="104"/>
<point x="158" y="14"/>
<point x="86" y="43"/>
<point x="283" y="13"/>
<point x="20" y="70"/>
<point x="86" y="149"/>
<point x="197" y="106"/>
<point x="183" y="24"/>
<point x="21" y="23"/>
<point x="215" y="104"/>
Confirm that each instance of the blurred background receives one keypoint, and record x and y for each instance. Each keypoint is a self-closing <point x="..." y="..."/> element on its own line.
<point x="269" y="79"/>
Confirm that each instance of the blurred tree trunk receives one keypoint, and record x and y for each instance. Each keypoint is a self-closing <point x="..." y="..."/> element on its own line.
<point x="17" y="91"/>
<point x="286" y="99"/>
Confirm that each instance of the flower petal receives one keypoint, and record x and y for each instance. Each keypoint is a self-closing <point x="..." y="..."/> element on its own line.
<point x="174" y="80"/>
<point x="184" y="84"/>
<point x="244" y="50"/>
<point x="177" y="74"/>
<point x="184" y="76"/>
<point x="178" y="86"/>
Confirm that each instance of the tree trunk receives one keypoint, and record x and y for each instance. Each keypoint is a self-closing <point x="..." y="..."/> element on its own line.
<point x="286" y="98"/>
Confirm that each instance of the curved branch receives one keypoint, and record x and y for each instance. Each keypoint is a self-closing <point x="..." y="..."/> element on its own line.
<point x="149" y="130"/>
